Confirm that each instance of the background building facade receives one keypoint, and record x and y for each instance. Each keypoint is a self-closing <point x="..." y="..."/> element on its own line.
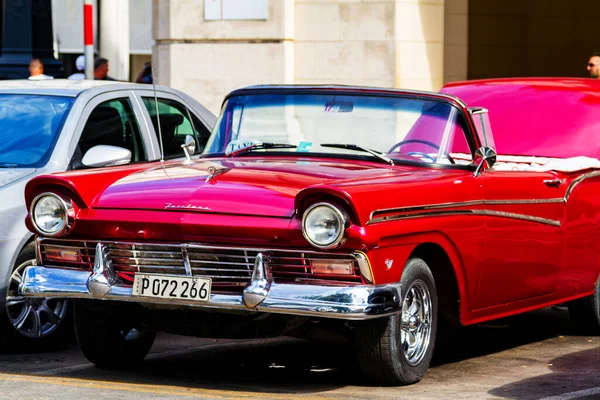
<point x="122" y="34"/>
<point x="209" y="47"/>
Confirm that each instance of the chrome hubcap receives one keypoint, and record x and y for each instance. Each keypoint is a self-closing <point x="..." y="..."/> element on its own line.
<point x="415" y="325"/>
<point x="32" y="317"/>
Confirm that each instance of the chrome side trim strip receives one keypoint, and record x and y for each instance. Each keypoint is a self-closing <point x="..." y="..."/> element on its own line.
<point x="461" y="204"/>
<point x="442" y="213"/>
<point x="401" y="210"/>
<point x="578" y="180"/>
<point x="523" y="217"/>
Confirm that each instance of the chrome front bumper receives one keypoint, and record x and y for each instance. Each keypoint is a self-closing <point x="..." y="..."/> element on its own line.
<point x="343" y="302"/>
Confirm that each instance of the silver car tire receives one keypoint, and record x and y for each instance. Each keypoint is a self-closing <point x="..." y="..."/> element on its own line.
<point x="397" y="350"/>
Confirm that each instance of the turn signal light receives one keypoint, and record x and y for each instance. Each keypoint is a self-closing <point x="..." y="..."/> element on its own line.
<point x="61" y="254"/>
<point x="333" y="267"/>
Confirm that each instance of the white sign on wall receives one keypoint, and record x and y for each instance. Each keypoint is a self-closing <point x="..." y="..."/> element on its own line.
<point x="236" y="9"/>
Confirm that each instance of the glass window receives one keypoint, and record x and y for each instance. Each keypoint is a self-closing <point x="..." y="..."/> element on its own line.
<point x="175" y="125"/>
<point x="30" y="127"/>
<point x="481" y="120"/>
<point x="111" y="123"/>
<point x="404" y="128"/>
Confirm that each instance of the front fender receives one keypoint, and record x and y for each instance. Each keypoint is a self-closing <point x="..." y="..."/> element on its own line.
<point x="390" y="257"/>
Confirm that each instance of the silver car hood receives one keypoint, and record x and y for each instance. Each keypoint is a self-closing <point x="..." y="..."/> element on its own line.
<point x="10" y="175"/>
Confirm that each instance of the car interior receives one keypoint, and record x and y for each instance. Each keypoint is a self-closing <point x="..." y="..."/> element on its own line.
<point x="106" y="126"/>
<point x="171" y="140"/>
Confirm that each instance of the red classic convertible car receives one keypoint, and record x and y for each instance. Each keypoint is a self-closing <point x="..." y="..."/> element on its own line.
<point x="377" y="213"/>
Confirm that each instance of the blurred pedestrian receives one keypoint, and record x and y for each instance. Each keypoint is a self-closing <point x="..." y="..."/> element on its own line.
<point x="146" y="75"/>
<point x="101" y="69"/>
<point x="80" y="65"/>
<point x="36" y="70"/>
<point x="593" y="66"/>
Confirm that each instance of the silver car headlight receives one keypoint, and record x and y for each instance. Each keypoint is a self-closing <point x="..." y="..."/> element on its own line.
<point x="50" y="214"/>
<point x="323" y="225"/>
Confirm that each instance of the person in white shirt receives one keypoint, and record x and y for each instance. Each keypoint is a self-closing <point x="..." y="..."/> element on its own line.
<point x="80" y="65"/>
<point x="36" y="69"/>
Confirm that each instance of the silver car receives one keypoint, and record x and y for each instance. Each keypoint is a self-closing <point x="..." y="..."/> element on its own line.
<point x="59" y="125"/>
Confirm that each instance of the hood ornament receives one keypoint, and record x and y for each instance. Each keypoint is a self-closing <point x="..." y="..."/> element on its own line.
<point x="214" y="171"/>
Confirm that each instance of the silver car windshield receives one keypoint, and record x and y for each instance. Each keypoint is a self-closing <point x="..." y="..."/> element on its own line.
<point x="30" y="127"/>
<point x="382" y="128"/>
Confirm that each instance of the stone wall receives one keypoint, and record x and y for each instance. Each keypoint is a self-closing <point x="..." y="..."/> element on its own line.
<point x="391" y="43"/>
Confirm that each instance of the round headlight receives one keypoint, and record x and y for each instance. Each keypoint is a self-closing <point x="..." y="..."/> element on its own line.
<point x="50" y="214"/>
<point x="323" y="225"/>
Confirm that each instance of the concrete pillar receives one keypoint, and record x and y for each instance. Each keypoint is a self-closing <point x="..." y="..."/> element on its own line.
<point x="456" y="40"/>
<point x="419" y="37"/>
<point x="345" y="42"/>
<point x="390" y="43"/>
<point x="114" y="37"/>
<point x="209" y="58"/>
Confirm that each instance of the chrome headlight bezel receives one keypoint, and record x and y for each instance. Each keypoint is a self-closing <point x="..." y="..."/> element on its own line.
<point x="342" y="220"/>
<point x="66" y="206"/>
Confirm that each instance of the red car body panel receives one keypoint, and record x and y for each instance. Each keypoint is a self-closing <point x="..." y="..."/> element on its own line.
<point x="554" y="117"/>
<point x="515" y="242"/>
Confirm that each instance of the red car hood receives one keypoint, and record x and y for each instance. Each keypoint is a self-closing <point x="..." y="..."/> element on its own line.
<point x="260" y="187"/>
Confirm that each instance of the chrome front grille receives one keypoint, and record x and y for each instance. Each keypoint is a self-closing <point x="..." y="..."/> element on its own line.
<point x="229" y="268"/>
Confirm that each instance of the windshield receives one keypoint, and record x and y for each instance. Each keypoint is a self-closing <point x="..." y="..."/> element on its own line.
<point x="30" y="127"/>
<point x="400" y="128"/>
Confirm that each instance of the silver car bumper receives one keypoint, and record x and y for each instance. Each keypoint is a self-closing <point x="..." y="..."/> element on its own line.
<point x="347" y="302"/>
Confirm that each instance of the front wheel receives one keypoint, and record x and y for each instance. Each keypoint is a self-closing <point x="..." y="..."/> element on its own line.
<point x="107" y="341"/>
<point x="397" y="350"/>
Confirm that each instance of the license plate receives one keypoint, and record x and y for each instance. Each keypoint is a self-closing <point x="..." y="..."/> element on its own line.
<point x="172" y="287"/>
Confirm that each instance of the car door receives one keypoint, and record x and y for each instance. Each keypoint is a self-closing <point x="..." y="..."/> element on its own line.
<point x="177" y="120"/>
<point x="111" y="119"/>
<point x="524" y="236"/>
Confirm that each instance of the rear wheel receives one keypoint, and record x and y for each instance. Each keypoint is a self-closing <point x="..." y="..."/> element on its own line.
<point x="107" y="341"/>
<point x="585" y="312"/>
<point x="397" y="350"/>
<point x="32" y="322"/>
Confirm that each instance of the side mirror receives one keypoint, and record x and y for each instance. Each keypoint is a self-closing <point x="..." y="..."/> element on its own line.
<point x="485" y="158"/>
<point x="106" y="156"/>
<point x="189" y="147"/>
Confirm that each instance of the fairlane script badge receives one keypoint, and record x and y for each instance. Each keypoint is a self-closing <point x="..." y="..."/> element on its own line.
<point x="182" y="207"/>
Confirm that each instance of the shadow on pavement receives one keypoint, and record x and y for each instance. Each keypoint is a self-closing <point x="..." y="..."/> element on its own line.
<point x="273" y="366"/>
<point x="474" y="341"/>
<point x="297" y="366"/>
<point x="573" y="372"/>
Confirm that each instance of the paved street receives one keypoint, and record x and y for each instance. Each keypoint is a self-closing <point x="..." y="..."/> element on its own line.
<point x="533" y="356"/>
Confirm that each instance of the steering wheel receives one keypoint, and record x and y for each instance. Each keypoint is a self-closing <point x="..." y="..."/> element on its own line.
<point x="426" y="142"/>
<point x="422" y="154"/>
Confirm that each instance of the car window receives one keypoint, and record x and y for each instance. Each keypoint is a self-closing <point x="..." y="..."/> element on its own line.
<point x="31" y="125"/>
<point x="175" y="125"/>
<point x="458" y="145"/>
<point x="111" y="123"/>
